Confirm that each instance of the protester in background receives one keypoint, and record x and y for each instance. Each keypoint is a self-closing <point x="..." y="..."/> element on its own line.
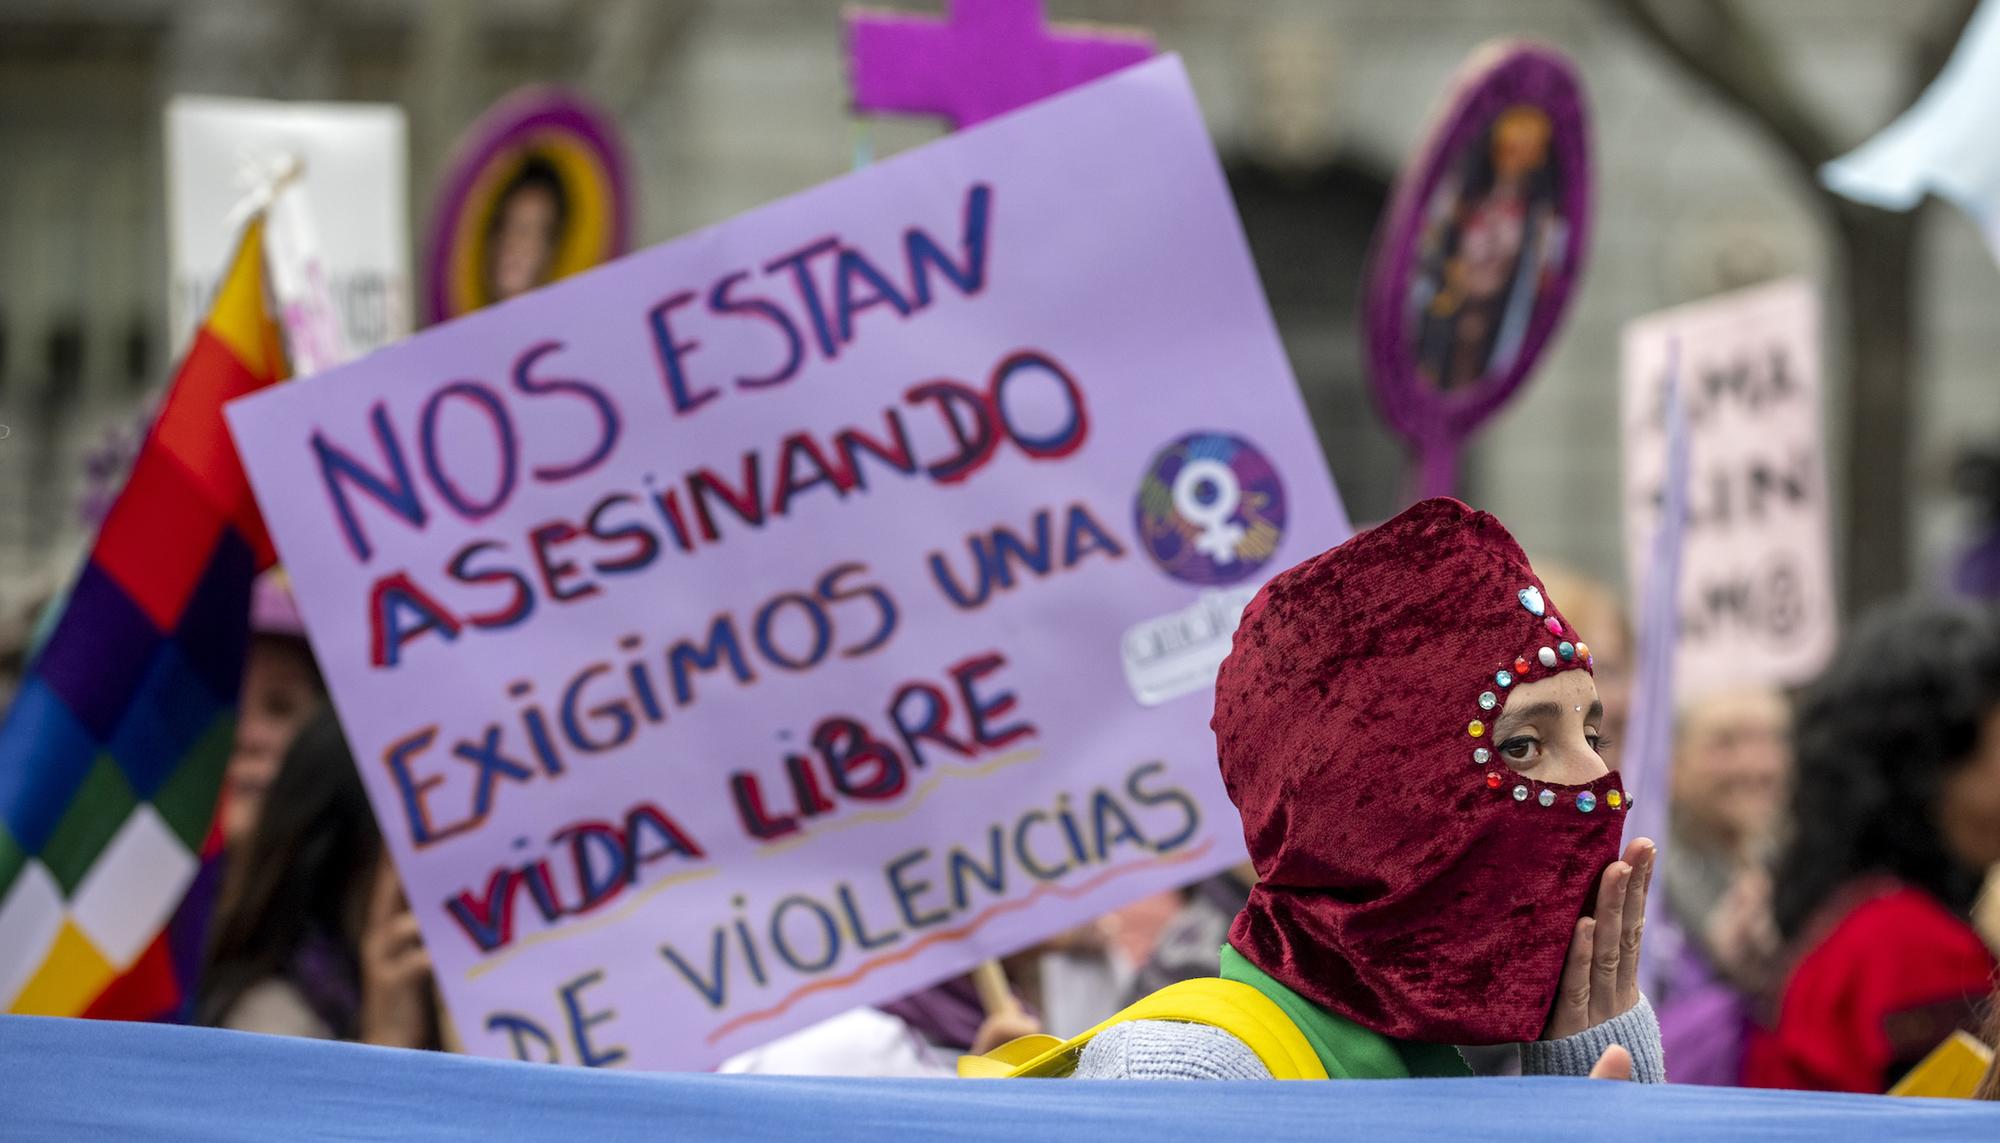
<point x="17" y="643"/>
<point x="1406" y="901"/>
<point x="1135" y="929"/>
<point x="1977" y="575"/>
<point x="1191" y="943"/>
<point x="1989" y="1087"/>
<point x="1986" y="911"/>
<point x="526" y="231"/>
<point x="1075" y="979"/>
<point x="1978" y="479"/>
<point x="952" y="1019"/>
<point x="281" y="689"/>
<point x="1895" y="818"/>
<point x="315" y="938"/>
<point x="1730" y="779"/>
<point x="1731" y="768"/>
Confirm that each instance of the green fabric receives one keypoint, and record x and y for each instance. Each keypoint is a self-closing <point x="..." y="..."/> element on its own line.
<point x="1345" y="1049"/>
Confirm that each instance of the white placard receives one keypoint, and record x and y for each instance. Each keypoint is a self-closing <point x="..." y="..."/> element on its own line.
<point x="355" y="160"/>
<point x="1757" y="596"/>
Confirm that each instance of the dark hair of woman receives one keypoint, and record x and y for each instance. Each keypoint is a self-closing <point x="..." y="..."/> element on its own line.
<point x="1876" y="735"/>
<point x="1989" y="1085"/>
<point x="541" y="174"/>
<point x="1481" y="174"/>
<point x="293" y="905"/>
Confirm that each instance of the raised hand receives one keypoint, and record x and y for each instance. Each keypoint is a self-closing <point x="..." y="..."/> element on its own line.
<point x="396" y="1006"/>
<point x="1600" y="978"/>
<point x="1002" y="1027"/>
<point x="1614" y="1064"/>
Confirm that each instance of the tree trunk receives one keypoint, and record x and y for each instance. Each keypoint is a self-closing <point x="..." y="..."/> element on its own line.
<point x="1874" y="271"/>
<point x="1879" y="281"/>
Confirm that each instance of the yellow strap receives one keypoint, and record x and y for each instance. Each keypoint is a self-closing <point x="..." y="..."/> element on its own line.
<point x="1003" y="1060"/>
<point x="1236" y="1008"/>
<point x="1952" y="1070"/>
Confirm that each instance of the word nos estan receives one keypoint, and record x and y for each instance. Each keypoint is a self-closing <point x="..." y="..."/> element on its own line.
<point x="395" y="469"/>
<point x="390" y="487"/>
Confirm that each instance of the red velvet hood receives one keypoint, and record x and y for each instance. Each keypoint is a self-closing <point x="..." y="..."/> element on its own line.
<point x="1409" y="880"/>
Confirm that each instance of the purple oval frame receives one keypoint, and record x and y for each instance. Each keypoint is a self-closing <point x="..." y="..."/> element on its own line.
<point x="504" y="126"/>
<point x="1435" y="422"/>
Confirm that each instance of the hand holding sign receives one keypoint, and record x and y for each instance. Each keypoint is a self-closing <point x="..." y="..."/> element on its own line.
<point x="1006" y="1020"/>
<point x="396" y="1008"/>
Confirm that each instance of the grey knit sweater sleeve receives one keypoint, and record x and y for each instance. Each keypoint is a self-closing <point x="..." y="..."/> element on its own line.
<point x="1637" y="1031"/>
<point x="1166" y="1049"/>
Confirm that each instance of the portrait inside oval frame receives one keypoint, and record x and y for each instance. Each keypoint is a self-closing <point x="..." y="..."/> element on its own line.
<point x="539" y="190"/>
<point x="1475" y="262"/>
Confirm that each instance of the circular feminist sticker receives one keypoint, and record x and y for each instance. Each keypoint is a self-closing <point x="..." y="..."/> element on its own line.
<point x="1210" y="509"/>
<point x="538" y="189"/>
<point x="1476" y="259"/>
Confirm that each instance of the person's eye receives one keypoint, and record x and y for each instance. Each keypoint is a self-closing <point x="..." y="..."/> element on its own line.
<point x="1598" y="742"/>
<point x="1521" y="750"/>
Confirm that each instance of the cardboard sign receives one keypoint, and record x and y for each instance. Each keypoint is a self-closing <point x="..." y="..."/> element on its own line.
<point x="737" y="633"/>
<point x="1756" y="593"/>
<point x="314" y="339"/>
<point x="354" y="171"/>
<point x="1953" y="1070"/>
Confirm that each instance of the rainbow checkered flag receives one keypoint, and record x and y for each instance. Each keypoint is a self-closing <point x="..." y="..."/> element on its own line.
<point x="111" y="757"/>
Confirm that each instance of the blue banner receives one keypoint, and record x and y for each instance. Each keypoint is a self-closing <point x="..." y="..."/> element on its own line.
<point x="81" y="1079"/>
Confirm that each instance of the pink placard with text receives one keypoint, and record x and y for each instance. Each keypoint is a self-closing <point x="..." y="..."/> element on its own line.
<point x="789" y="616"/>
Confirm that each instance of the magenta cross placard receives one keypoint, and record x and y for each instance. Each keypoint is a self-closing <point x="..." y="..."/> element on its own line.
<point x="985" y="58"/>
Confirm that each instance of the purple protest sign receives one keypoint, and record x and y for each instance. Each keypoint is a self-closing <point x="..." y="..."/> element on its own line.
<point x="1473" y="266"/>
<point x="985" y="58"/>
<point x="795" y="614"/>
<point x="1649" y="755"/>
<point x="540" y="188"/>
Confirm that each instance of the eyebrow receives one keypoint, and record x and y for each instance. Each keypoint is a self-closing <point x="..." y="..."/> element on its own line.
<point x="1512" y="718"/>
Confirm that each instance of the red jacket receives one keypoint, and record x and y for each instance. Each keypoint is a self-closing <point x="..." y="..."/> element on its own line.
<point x="1895" y="973"/>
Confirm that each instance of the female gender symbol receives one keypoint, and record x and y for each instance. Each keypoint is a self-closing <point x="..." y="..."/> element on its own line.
<point x="1218" y="536"/>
